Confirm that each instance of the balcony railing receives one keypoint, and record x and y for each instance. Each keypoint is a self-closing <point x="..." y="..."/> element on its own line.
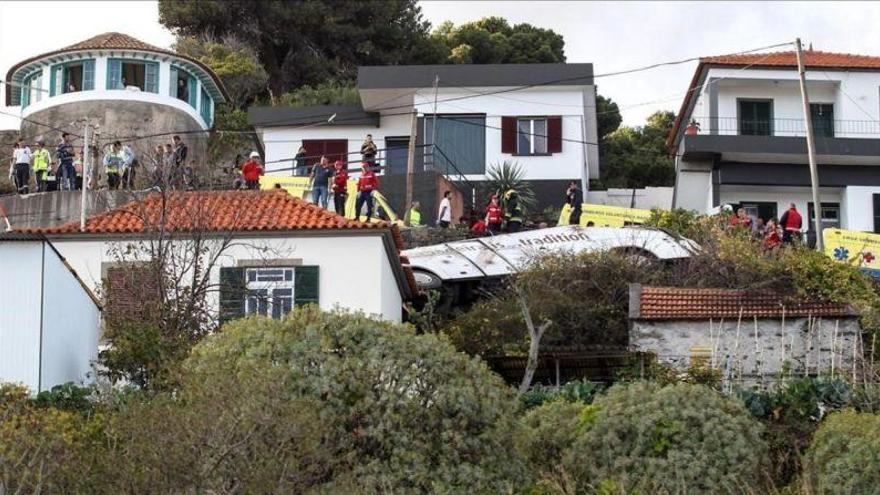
<point x="733" y="126"/>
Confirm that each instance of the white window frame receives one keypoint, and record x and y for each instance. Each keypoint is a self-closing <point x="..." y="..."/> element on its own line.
<point x="531" y="136"/>
<point x="270" y="286"/>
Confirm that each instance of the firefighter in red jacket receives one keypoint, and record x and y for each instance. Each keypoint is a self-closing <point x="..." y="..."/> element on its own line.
<point x="494" y="216"/>
<point x="791" y="222"/>
<point x="367" y="183"/>
<point x="340" y="188"/>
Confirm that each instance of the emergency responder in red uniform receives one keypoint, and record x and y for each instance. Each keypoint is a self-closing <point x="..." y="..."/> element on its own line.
<point x="791" y="222"/>
<point x="367" y="183"/>
<point x="340" y="188"/>
<point x="494" y="217"/>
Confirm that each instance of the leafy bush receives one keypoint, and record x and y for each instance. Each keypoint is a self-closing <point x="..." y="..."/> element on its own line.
<point x="549" y="432"/>
<point x="677" y="439"/>
<point x="402" y="412"/>
<point x="844" y="455"/>
<point x="582" y="391"/>
<point x="67" y="396"/>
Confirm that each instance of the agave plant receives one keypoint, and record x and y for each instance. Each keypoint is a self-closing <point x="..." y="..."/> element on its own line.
<point x="509" y="175"/>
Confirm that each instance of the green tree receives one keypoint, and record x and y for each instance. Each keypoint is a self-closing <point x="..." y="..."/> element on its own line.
<point x="607" y="116"/>
<point x="681" y="438"/>
<point x="310" y="41"/>
<point x="235" y="62"/>
<point x="325" y="93"/>
<point x="493" y="40"/>
<point x="402" y="412"/>
<point x="843" y="456"/>
<point x="635" y="157"/>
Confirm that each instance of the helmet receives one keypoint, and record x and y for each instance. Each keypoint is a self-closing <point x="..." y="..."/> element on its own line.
<point x="254" y="154"/>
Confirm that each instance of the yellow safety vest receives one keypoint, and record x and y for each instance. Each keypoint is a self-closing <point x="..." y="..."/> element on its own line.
<point x="415" y="218"/>
<point x="41" y="160"/>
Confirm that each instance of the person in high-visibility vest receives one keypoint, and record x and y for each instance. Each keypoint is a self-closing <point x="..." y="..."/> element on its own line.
<point x="512" y="211"/>
<point x="42" y="160"/>
<point x="112" y="162"/>
<point x="494" y="217"/>
<point x="415" y="214"/>
<point x="367" y="183"/>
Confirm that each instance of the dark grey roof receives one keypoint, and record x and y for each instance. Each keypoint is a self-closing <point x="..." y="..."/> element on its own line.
<point x="422" y="76"/>
<point x="17" y="236"/>
<point x="284" y="116"/>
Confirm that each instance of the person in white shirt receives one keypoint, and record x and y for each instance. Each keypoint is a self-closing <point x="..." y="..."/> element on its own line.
<point x="20" y="171"/>
<point x="444" y="216"/>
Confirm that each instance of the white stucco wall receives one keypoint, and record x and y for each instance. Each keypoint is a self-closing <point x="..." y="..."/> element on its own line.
<point x="20" y="298"/>
<point x="571" y="103"/>
<point x="857" y="207"/>
<point x="693" y="185"/>
<point x="71" y="327"/>
<point x="354" y="271"/>
<point x="854" y="94"/>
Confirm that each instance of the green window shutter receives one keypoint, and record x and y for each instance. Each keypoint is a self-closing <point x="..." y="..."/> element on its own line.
<point x="114" y="73"/>
<point x="25" y="93"/>
<point x="305" y="289"/>
<point x="56" y="80"/>
<point x="193" y="94"/>
<point x="172" y="84"/>
<point x="206" y="108"/>
<point x="232" y="293"/>
<point x="88" y="83"/>
<point x="151" y="77"/>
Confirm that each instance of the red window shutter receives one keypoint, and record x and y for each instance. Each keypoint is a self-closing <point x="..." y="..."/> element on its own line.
<point x="508" y="135"/>
<point x="554" y="134"/>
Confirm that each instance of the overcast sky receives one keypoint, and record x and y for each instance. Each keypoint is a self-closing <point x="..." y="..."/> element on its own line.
<point x="612" y="36"/>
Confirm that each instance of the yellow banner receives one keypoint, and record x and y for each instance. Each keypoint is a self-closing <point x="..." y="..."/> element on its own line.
<point x="606" y="216"/>
<point x="301" y="187"/>
<point x="858" y="248"/>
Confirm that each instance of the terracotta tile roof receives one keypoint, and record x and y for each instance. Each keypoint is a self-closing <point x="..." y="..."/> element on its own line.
<point x="214" y="211"/>
<point x="812" y="59"/>
<point x="675" y="303"/>
<point x="114" y="41"/>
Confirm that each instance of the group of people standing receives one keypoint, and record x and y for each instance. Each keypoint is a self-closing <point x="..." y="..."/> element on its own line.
<point x="171" y="163"/>
<point x="39" y="161"/>
<point x="773" y="233"/>
<point x="326" y="179"/>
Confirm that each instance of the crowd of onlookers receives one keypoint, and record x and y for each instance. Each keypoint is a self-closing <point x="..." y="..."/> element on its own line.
<point x="61" y="168"/>
<point x="773" y="233"/>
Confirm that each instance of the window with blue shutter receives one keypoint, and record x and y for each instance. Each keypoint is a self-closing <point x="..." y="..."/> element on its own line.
<point x="306" y="287"/>
<point x="25" y="94"/>
<point x="88" y="75"/>
<point x="206" y="107"/>
<point x="266" y="291"/>
<point x="151" y="77"/>
<point x="192" y="91"/>
<point x="232" y="293"/>
<point x="56" y="80"/>
<point x="172" y="83"/>
<point x="114" y="73"/>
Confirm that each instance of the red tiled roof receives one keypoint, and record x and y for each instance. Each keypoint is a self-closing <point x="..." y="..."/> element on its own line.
<point x="114" y="41"/>
<point x="675" y="303"/>
<point x="812" y="59"/>
<point x="213" y="211"/>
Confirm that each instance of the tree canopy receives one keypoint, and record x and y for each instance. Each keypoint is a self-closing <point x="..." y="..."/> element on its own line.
<point x="634" y="157"/>
<point x="313" y="42"/>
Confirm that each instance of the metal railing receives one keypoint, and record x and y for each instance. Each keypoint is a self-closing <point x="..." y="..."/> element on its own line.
<point x="733" y="126"/>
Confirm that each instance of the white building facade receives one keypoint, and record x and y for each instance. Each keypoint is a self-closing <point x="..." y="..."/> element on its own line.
<point x="49" y="321"/>
<point x="542" y="116"/>
<point x="749" y="149"/>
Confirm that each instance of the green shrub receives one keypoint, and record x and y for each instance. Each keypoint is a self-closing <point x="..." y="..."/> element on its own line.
<point x="680" y="438"/>
<point x="549" y="430"/>
<point x="845" y="454"/>
<point x="583" y="391"/>
<point x="402" y="412"/>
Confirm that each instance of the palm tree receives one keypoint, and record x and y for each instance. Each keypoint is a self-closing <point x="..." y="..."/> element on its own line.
<point x="510" y="175"/>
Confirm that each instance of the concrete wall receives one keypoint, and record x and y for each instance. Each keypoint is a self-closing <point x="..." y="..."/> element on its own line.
<point x="740" y="350"/>
<point x="857" y="207"/>
<point x="693" y="185"/>
<point x="121" y="118"/>
<point x="353" y="274"/>
<point x="645" y="198"/>
<point x="58" y="207"/>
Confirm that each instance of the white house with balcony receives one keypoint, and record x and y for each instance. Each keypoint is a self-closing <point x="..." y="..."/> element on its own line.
<point x="125" y="85"/>
<point x="469" y="117"/>
<point x="739" y="137"/>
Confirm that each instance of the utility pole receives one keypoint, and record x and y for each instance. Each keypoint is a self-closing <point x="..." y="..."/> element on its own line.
<point x="811" y="149"/>
<point x="87" y="165"/>
<point x="410" y="164"/>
